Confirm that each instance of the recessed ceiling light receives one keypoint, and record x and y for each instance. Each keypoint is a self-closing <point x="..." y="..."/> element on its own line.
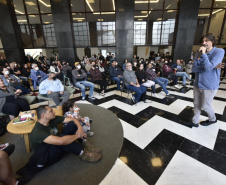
<point x="144" y="11"/>
<point x="78" y="18"/>
<point x="100" y="19"/>
<point x="140" y="19"/>
<point x="47" y="5"/>
<point x="17" y="11"/>
<point x="46" y="22"/>
<point x="30" y="3"/>
<point x="32" y="16"/>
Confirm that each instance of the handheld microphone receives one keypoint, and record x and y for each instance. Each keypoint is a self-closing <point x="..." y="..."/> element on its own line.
<point x="199" y="55"/>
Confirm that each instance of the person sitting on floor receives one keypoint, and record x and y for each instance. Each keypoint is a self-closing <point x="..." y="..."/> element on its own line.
<point x="79" y="76"/>
<point x="151" y="75"/>
<point x="142" y="79"/>
<point x="14" y="81"/>
<point x="53" y="88"/>
<point x="6" y="174"/>
<point x="132" y="83"/>
<point x="10" y="103"/>
<point x="96" y="77"/>
<point x="115" y="74"/>
<point x="37" y="76"/>
<point x="50" y="146"/>
<point x="178" y="68"/>
<point x="70" y="110"/>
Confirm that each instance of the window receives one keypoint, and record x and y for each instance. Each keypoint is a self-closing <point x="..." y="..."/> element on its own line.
<point x="106" y="33"/>
<point x="81" y="33"/>
<point x="140" y="32"/>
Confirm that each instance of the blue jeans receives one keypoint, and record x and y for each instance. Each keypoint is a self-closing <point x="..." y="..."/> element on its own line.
<point x="23" y="89"/>
<point x="82" y="85"/>
<point x="184" y="75"/>
<point x="162" y="82"/>
<point x="117" y="80"/>
<point x="139" y="91"/>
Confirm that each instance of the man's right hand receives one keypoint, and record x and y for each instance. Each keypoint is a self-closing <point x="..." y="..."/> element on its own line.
<point x="119" y="76"/>
<point x="80" y="133"/>
<point x="48" y="92"/>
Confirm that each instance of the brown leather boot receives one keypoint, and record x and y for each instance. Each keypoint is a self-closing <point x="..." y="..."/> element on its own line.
<point x="87" y="145"/>
<point x="90" y="156"/>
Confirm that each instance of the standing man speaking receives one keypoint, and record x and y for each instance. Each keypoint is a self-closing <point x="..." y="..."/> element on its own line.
<point x="206" y="66"/>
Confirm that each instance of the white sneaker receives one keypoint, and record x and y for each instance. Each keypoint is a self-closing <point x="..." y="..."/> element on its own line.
<point x="154" y="95"/>
<point x="168" y="94"/>
<point x="83" y="98"/>
<point x="177" y="86"/>
<point x="91" y="97"/>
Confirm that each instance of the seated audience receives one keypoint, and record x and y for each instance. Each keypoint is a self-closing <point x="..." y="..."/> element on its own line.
<point x="96" y="77"/>
<point x="79" y="76"/>
<point x="168" y="73"/>
<point x="53" y="88"/>
<point x="142" y="79"/>
<point x="178" y="68"/>
<point x="14" y="81"/>
<point x="50" y="146"/>
<point x="70" y="110"/>
<point x="37" y="76"/>
<point x="132" y="83"/>
<point x="115" y="74"/>
<point x="59" y="65"/>
<point x="3" y="62"/>
<point x="134" y="59"/>
<point x="124" y="65"/>
<point x="55" y="69"/>
<point x="135" y="66"/>
<point x="29" y="59"/>
<point x="41" y="56"/>
<point x="188" y="69"/>
<point x="26" y="70"/>
<point x="10" y="103"/>
<point x="15" y="70"/>
<point x="151" y="75"/>
<point x="88" y="66"/>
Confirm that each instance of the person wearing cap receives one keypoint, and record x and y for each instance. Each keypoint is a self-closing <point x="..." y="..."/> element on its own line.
<point x="37" y="76"/>
<point x="79" y="76"/>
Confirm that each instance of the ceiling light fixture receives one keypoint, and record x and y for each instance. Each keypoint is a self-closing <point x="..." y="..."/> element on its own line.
<point x="21" y="20"/>
<point x="100" y="19"/>
<point x="47" y="5"/>
<point x="78" y="18"/>
<point x="104" y="13"/>
<point x="201" y="15"/>
<point x="113" y="2"/>
<point x="19" y="12"/>
<point x="140" y="19"/>
<point x="32" y="16"/>
<point x="144" y="11"/>
<point x="159" y="19"/>
<point x="168" y="6"/>
<point x="138" y="16"/>
<point x="151" y="1"/>
<point x="46" y="22"/>
<point x="171" y="11"/>
<point x="87" y="2"/>
<point x="30" y="3"/>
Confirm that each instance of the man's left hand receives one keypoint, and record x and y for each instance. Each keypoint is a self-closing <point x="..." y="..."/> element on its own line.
<point x="61" y="92"/>
<point x="219" y="66"/>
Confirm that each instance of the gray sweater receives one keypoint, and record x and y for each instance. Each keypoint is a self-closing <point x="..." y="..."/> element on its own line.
<point x="4" y="94"/>
<point x="129" y="76"/>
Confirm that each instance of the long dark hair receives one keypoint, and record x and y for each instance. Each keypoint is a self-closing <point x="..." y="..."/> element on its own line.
<point x="67" y="105"/>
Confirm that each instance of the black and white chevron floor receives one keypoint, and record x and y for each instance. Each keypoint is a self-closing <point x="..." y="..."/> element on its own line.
<point x="158" y="148"/>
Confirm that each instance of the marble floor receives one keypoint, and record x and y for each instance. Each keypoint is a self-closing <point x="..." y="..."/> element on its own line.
<point x="158" y="148"/>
